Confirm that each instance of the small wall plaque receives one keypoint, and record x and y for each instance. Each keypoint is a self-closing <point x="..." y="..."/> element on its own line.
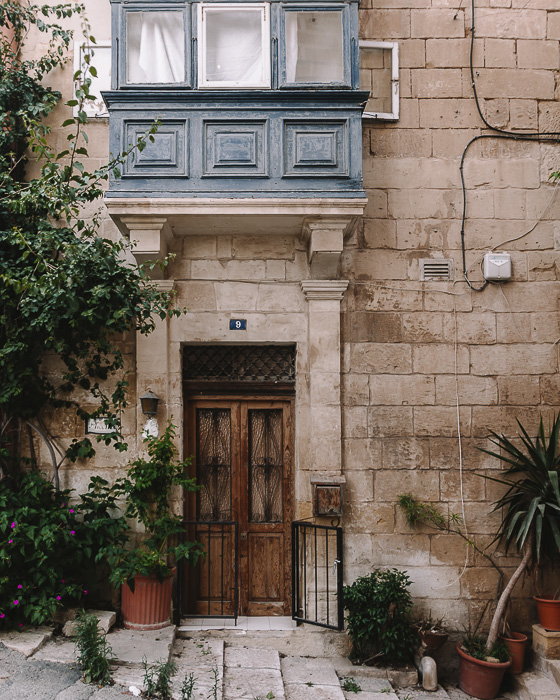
<point x="98" y="426"/>
<point x="238" y="324"/>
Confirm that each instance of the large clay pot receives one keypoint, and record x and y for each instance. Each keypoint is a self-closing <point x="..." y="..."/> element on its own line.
<point x="548" y="610"/>
<point x="481" y="679"/>
<point x="149" y="607"/>
<point x="516" y="643"/>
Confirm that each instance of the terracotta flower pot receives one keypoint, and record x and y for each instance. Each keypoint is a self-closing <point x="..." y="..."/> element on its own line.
<point x="481" y="679"/>
<point x="432" y="641"/>
<point x="149" y="607"/>
<point x="548" y="611"/>
<point x="516" y="644"/>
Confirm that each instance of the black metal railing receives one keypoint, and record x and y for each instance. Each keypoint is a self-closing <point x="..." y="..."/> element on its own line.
<point x="317" y="575"/>
<point x="210" y="588"/>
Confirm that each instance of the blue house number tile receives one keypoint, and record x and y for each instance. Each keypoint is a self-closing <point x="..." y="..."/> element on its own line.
<point x="238" y="324"/>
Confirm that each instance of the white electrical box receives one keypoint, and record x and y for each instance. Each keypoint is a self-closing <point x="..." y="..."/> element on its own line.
<point x="497" y="267"/>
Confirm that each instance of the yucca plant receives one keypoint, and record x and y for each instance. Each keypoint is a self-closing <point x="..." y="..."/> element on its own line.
<point x="531" y="504"/>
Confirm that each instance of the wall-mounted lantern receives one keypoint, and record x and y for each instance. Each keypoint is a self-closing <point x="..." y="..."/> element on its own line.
<point x="149" y="403"/>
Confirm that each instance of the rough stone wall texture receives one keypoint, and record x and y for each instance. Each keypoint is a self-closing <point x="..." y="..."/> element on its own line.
<point x="413" y="350"/>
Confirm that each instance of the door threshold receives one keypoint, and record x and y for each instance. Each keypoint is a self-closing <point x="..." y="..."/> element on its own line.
<point x="264" y="623"/>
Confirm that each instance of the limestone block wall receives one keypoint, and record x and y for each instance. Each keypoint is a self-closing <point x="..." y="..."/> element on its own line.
<point x="424" y="361"/>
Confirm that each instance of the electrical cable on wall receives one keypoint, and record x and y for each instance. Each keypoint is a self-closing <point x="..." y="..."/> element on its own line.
<point x="537" y="136"/>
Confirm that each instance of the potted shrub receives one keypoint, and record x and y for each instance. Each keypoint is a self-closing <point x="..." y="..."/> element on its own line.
<point x="146" y="571"/>
<point x="378" y="619"/>
<point x="530" y="523"/>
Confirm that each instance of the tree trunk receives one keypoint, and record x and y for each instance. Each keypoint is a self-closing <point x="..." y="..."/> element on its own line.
<point x="502" y="602"/>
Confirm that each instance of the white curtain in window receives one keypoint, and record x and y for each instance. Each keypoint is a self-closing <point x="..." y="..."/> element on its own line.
<point x="155" y="47"/>
<point x="314" y="47"/>
<point x="233" y="43"/>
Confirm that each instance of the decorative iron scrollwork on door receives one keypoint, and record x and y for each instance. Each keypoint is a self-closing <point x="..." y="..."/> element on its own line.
<point x="265" y="465"/>
<point x="214" y="464"/>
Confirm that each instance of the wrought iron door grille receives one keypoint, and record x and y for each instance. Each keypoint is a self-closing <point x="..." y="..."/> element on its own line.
<point x="214" y="581"/>
<point x="234" y="363"/>
<point x="317" y="575"/>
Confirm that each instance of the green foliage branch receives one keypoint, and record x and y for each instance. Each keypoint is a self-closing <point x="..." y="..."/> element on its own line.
<point x="147" y="489"/>
<point x="379" y="624"/>
<point x="64" y="289"/>
<point x="48" y="546"/>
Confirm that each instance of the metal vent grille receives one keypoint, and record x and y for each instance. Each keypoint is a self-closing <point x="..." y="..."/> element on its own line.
<point x="240" y="363"/>
<point x="431" y="269"/>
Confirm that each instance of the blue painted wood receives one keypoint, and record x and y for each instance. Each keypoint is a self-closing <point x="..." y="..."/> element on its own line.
<point x="287" y="141"/>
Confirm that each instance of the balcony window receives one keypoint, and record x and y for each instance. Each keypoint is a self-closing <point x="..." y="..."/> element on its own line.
<point x="155" y="47"/>
<point x="314" y="47"/>
<point x="234" y="46"/>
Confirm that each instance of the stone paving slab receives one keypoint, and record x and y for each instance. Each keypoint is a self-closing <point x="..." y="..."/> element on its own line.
<point x="247" y="684"/>
<point x="305" y="670"/>
<point x="58" y="650"/>
<point x="132" y="646"/>
<point x="245" y="657"/>
<point x="371" y="696"/>
<point x="200" y="658"/>
<point x="533" y="685"/>
<point x="419" y="694"/>
<point x="27" y="641"/>
<point x="301" y="691"/>
<point x="370" y="685"/>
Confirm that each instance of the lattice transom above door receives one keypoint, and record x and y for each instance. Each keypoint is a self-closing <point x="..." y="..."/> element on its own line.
<point x="239" y="363"/>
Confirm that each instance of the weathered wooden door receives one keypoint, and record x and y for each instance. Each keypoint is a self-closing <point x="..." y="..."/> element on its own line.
<point x="243" y="461"/>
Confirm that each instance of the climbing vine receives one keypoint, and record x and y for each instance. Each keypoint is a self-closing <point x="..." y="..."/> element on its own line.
<point x="67" y="294"/>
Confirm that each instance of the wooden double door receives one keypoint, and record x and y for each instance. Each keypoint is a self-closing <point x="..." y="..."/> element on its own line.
<point x="242" y="459"/>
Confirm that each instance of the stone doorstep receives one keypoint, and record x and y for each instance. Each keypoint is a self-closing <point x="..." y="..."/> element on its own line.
<point x="303" y="641"/>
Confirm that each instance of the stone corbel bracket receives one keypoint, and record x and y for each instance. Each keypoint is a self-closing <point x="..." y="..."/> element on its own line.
<point x="325" y="238"/>
<point x="150" y="237"/>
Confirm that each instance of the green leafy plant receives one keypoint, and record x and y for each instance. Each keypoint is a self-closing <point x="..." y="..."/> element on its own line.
<point x="350" y="685"/>
<point x="48" y="545"/>
<point x="157" y="678"/>
<point x="93" y="650"/>
<point x="213" y="694"/>
<point x="66" y="291"/>
<point x="187" y="686"/>
<point x="530" y="506"/>
<point x="477" y="648"/>
<point x="378" y="619"/>
<point x="147" y="489"/>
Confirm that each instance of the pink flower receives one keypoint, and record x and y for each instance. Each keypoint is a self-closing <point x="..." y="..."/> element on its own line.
<point x="2" y="615"/>
<point x="20" y="586"/>
<point x="85" y="592"/>
<point x="13" y="525"/>
<point x="71" y="510"/>
<point x="10" y="541"/>
<point x="58" y="597"/>
<point x="16" y="602"/>
<point x="63" y="580"/>
<point x="21" y="624"/>
<point x="72" y="532"/>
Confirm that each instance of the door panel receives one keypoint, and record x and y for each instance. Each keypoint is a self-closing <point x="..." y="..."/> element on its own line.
<point x="242" y="451"/>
